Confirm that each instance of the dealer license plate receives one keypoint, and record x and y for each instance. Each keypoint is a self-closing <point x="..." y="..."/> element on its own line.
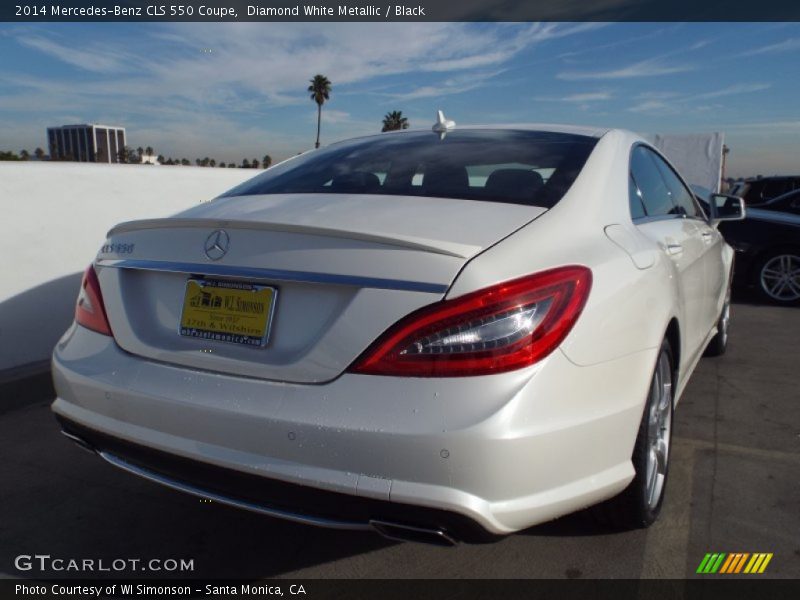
<point x="228" y="311"/>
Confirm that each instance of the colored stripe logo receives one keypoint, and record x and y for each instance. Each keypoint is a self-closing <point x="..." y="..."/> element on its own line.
<point x="734" y="563"/>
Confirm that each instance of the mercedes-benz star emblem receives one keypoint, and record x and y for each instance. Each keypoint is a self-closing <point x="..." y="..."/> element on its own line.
<point x="216" y="245"/>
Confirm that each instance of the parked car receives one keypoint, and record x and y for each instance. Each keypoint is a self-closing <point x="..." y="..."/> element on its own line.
<point x="437" y="335"/>
<point x="759" y="190"/>
<point x="767" y="245"/>
<point x="767" y="248"/>
<point x="788" y="203"/>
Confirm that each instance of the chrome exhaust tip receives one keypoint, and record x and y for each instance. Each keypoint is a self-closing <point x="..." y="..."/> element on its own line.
<point x="407" y="533"/>
<point x="81" y="443"/>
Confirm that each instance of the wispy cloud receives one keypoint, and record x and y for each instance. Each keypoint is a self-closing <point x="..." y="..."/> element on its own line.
<point x="780" y="47"/>
<point x="588" y="97"/>
<point x="645" y="68"/>
<point x="699" y="44"/>
<point x="653" y="106"/>
<point x="219" y="65"/>
<point x="656" y="95"/>
<point x="500" y="45"/>
<point x="672" y="102"/>
<point x="734" y="90"/>
<point x="595" y="49"/>
<point x="95" y="59"/>
<point x="578" y="98"/>
<point x="452" y="85"/>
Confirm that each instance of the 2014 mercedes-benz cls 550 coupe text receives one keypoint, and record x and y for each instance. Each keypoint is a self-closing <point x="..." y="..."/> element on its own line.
<point x="440" y="335"/>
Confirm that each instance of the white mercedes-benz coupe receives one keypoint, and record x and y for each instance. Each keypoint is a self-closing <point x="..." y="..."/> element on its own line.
<point x="439" y="335"/>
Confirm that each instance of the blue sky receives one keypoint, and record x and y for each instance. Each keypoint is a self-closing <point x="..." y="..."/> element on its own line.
<point x="230" y="91"/>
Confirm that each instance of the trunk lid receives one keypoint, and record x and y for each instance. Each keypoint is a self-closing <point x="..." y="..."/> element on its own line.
<point x="345" y="269"/>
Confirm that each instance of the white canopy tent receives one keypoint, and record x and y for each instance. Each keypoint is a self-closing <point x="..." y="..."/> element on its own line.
<point x="697" y="156"/>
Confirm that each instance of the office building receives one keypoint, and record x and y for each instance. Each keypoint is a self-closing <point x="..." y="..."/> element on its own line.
<point x="86" y="143"/>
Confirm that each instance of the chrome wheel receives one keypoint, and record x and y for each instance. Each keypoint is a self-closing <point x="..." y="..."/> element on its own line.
<point x="640" y="503"/>
<point x="659" y="427"/>
<point x="780" y="277"/>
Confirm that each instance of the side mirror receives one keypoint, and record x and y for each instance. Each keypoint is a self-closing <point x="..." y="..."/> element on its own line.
<point x="727" y="208"/>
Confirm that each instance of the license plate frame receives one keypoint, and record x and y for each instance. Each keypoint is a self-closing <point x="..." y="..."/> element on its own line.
<point x="205" y="315"/>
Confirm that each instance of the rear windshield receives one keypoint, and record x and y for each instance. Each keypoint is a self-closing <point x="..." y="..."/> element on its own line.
<point x="518" y="167"/>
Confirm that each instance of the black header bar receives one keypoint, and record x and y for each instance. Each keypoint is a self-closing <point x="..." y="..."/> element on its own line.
<point x="408" y="11"/>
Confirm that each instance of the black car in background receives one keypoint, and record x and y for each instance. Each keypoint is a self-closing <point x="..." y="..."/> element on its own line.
<point x="767" y="245"/>
<point x="789" y="203"/>
<point x="758" y="190"/>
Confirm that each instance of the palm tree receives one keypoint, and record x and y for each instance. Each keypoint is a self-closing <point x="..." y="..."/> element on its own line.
<point x="320" y="90"/>
<point x="267" y="162"/>
<point x="24" y="155"/>
<point x="394" y="121"/>
<point x="245" y="164"/>
<point x="255" y="163"/>
<point x="39" y="154"/>
<point x="149" y="151"/>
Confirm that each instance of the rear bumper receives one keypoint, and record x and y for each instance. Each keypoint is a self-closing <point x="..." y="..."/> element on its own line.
<point x="496" y="453"/>
<point x="298" y="503"/>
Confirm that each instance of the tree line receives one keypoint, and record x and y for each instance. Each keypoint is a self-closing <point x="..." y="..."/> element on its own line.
<point x="23" y="155"/>
<point x="128" y="155"/>
<point x="131" y="156"/>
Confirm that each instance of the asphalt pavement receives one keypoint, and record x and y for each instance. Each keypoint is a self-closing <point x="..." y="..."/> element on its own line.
<point x="734" y="487"/>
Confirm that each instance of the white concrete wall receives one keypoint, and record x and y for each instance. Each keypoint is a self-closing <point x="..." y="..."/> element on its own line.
<point x="54" y="218"/>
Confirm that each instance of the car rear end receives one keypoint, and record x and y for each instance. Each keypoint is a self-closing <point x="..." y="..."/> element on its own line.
<point x="294" y="350"/>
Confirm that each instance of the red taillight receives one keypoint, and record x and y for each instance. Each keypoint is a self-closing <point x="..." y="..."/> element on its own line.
<point x="89" y="309"/>
<point x="504" y="327"/>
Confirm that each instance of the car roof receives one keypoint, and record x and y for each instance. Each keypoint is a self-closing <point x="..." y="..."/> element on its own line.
<point x="770" y="177"/>
<point x="783" y="196"/>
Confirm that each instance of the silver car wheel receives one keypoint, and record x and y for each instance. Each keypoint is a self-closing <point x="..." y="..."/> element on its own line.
<point x="659" y="426"/>
<point x="780" y="277"/>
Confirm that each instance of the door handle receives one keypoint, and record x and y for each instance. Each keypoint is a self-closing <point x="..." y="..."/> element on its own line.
<point x="673" y="249"/>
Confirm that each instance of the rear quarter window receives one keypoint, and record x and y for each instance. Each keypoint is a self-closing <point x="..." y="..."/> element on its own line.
<point x="652" y="189"/>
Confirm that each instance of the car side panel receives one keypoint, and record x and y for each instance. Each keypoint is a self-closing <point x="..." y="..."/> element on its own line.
<point x="680" y="244"/>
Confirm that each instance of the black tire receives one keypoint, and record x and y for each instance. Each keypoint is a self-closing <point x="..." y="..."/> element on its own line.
<point x="767" y="272"/>
<point x="636" y="506"/>
<point x="719" y="343"/>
